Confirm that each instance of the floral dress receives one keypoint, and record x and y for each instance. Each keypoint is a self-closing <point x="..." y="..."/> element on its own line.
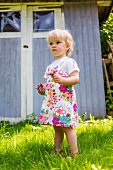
<point x="59" y="107"/>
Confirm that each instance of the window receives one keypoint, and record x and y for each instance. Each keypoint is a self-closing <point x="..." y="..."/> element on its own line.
<point x="10" y="21"/>
<point x="43" y="21"/>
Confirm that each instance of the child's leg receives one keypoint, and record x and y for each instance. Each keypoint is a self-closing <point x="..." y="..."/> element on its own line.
<point x="59" y="137"/>
<point x="72" y="140"/>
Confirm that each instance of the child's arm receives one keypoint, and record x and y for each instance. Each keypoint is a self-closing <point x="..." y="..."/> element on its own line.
<point x="71" y="80"/>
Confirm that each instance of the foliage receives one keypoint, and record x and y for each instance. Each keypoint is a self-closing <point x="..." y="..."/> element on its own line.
<point x="29" y="147"/>
<point x="33" y="118"/>
<point x="109" y="100"/>
<point x="106" y="34"/>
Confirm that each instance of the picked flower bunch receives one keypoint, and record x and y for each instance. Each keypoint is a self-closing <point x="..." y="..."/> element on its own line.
<point x="52" y="72"/>
<point x="40" y="88"/>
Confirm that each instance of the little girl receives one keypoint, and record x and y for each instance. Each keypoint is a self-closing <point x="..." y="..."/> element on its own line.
<point x="59" y="106"/>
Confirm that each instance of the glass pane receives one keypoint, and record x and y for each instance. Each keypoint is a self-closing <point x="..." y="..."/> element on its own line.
<point x="10" y="21"/>
<point x="43" y="21"/>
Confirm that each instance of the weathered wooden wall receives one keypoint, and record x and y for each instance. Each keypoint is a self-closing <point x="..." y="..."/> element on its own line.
<point x="82" y="20"/>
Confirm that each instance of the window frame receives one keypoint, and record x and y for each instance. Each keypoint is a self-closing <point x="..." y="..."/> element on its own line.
<point x="58" y="19"/>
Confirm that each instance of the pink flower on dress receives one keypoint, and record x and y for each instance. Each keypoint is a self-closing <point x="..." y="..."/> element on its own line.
<point x="70" y="97"/>
<point x="63" y="88"/>
<point x="75" y="107"/>
<point x="55" y="121"/>
<point x="42" y="117"/>
<point x="76" y="117"/>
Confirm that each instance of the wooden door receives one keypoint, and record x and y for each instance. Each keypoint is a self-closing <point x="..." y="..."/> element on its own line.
<point x="13" y="62"/>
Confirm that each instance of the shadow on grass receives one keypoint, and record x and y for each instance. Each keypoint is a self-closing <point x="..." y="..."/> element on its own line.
<point x="27" y="156"/>
<point x="6" y="127"/>
<point x="28" y="153"/>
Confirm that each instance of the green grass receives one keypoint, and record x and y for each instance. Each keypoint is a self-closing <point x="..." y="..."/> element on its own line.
<point x="26" y="146"/>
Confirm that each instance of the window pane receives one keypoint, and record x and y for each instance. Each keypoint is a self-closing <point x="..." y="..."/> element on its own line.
<point x="43" y="21"/>
<point x="10" y="21"/>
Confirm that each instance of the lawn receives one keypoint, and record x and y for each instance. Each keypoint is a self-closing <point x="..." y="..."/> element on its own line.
<point x="28" y="146"/>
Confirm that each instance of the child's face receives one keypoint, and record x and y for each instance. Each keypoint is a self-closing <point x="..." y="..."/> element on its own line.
<point x="58" y="48"/>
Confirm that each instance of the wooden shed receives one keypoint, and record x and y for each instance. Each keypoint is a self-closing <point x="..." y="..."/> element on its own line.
<point x="24" y="53"/>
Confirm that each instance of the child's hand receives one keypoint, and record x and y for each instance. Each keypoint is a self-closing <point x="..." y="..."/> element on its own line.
<point x="57" y="78"/>
<point x="40" y="88"/>
<point x="41" y="92"/>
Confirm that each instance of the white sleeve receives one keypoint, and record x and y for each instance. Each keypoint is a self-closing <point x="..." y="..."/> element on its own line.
<point x="46" y="75"/>
<point x="72" y="66"/>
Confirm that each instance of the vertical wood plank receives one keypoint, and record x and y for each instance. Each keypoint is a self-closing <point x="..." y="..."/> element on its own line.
<point x="98" y="61"/>
<point x="7" y="75"/>
<point x="2" y="90"/>
<point x="15" y="77"/>
<point x="10" y="85"/>
<point x="92" y="70"/>
<point x="85" y="14"/>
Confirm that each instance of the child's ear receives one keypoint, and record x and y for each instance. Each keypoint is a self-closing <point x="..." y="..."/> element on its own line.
<point x="67" y="46"/>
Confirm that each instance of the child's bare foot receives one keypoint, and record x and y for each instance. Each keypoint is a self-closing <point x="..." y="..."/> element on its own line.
<point x="78" y="153"/>
<point x="75" y="153"/>
<point x="58" y="151"/>
<point x="70" y="157"/>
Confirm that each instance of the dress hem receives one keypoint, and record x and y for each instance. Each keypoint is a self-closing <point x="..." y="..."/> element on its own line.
<point x="57" y="125"/>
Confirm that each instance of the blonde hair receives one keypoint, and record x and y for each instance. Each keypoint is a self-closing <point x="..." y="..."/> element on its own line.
<point x="62" y="34"/>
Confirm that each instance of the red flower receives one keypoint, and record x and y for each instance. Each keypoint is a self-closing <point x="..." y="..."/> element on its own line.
<point x="40" y="88"/>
